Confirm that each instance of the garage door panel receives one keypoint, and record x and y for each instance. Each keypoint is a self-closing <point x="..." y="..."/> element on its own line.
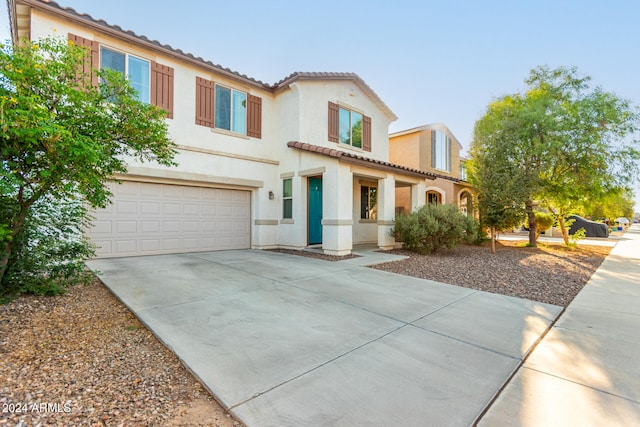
<point x="126" y="207"/>
<point x="148" y="190"/>
<point x="127" y="227"/>
<point x="190" y="209"/>
<point x="147" y="218"/>
<point x="131" y="189"/>
<point x="191" y="226"/>
<point x="172" y="226"/>
<point x="147" y="226"/>
<point x="150" y="245"/>
<point x="171" y="209"/>
<point x="171" y="244"/>
<point x="102" y="227"/>
<point x="191" y="193"/>
<point x="125" y="247"/>
<point x="192" y="243"/>
<point x="172" y="191"/>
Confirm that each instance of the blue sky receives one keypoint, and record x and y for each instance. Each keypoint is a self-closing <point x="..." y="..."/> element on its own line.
<point x="429" y="61"/>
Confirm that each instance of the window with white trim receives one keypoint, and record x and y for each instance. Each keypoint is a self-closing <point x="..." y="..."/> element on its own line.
<point x="463" y="171"/>
<point x="440" y="150"/>
<point x="137" y="70"/>
<point x="350" y="127"/>
<point x="287" y="198"/>
<point x="434" y="198"/>
<point x="368" y="202"/>
<point x="230" y="110"/>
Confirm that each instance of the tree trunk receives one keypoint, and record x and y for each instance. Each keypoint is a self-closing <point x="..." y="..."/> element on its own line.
<point x="4" y="261"/>
<point x="493" y="240"/>
<point x="533" y="241"/>
<point x="8" y="245"/>
<point x="563" y="228"/>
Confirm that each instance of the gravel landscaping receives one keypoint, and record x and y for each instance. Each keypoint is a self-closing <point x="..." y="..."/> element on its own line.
<point x="84" y="359"/>
<point x="550" y="273"/>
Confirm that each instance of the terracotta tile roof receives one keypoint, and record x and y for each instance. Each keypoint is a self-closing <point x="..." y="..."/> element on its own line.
<point x="359" y="160"/>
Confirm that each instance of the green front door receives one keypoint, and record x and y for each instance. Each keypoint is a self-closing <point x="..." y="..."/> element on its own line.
<point x="315" y="211"/>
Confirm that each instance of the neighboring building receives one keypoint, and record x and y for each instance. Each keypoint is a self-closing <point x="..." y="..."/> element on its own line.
<point x="432" y="148"/>
<point x="301" y="162"/>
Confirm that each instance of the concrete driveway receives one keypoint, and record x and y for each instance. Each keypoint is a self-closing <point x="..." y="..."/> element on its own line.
<point x="283" y="340"/>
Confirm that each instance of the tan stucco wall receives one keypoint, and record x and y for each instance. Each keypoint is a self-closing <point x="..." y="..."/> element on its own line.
<point x="405" y="151"/>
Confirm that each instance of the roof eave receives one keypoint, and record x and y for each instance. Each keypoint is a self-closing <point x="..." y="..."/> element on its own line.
<point x="119" y="33"/>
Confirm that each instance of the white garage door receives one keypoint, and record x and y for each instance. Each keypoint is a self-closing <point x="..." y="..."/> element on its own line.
<point x="147" y="219"/>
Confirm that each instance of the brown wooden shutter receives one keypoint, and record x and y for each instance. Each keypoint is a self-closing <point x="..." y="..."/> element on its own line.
<point x="204" y="102"/>
<point x="162" y="87"/>
<point x="366" y="133"/>
<point x="334" y="123"/>
<point x="254" y="116"/>
<point x="91" y="59"/>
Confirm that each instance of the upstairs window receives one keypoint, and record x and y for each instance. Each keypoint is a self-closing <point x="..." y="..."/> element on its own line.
<point x="463" y="171"/>
<point x="156" y="89"/>
<point x="440" y="151"/>
<point x="349" y="127"/>
<point x="231" y="110"/>
<point x="137" y="70"/>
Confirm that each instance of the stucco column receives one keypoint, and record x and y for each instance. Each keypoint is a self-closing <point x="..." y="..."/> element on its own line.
<point x="386" y="211"/>
<point x="265" y="223"/>
<point x="337" y="208"/>
<point x="418" y="196"/>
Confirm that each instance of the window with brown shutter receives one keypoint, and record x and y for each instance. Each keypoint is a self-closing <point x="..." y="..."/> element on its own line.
<point x="91" y="60"/>
<point x="204" y="102"/>
<point x="366" y="133"/>
<point x="162" y="87"/>
<point x="334" y="123"/>
<point x="254" y="116"/>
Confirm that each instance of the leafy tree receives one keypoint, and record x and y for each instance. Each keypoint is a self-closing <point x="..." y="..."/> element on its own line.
<point x="569" y="141"/>
<point x="613" y="204"/>
<point x="500" y="182"/>
<point x="62" y="140"/>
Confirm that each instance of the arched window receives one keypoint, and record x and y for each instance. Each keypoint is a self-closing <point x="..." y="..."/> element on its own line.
<point x="434" y="198"/>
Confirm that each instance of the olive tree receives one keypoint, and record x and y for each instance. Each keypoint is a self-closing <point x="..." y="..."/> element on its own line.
<point x="567" y="142"/>
<point x="63" y="139"/>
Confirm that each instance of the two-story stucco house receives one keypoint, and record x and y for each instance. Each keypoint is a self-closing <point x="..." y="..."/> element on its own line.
<point x="301" y="162"/>
<point x="432" y="148"/>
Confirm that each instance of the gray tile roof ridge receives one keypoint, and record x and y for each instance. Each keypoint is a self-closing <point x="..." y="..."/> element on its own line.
<point x="72" y="13"/>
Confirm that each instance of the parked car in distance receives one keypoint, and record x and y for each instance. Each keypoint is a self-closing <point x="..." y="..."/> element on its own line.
<point x="592" y="228"/>
<point x="623" y="222"/>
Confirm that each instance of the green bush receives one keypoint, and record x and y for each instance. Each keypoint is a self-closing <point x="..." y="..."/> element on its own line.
<point x="49" y="252"/>
<point x="434" y="227"/>
<point x="544" y="221"/>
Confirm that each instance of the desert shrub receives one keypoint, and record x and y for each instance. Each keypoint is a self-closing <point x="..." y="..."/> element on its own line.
<point x="576" y="237"/>
<point x="49" y="252"/>
<point x="434" y="227"/>
<point x="544" y="221"/>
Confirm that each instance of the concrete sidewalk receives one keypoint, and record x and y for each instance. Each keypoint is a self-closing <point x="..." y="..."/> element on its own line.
<point x="586" y="371"/>
<point x="284" y="340"/>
